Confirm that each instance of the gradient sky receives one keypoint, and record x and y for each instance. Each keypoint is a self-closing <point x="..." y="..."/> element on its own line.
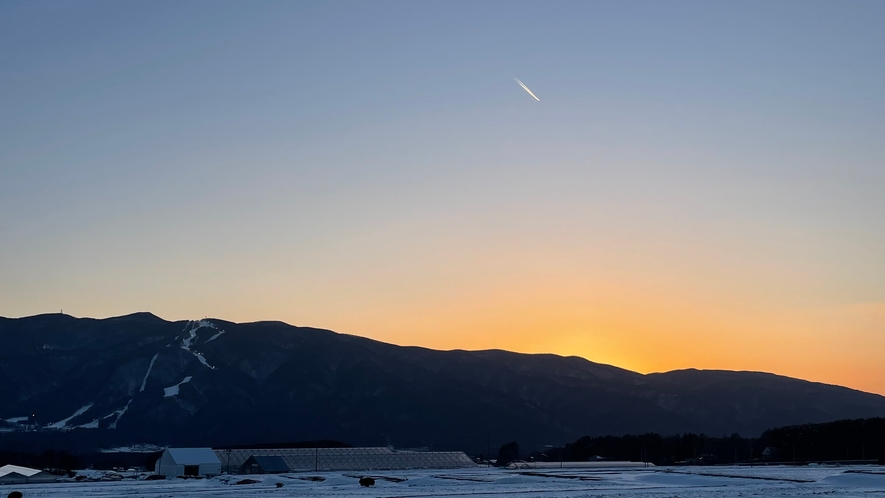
<point x="701" y="185"/>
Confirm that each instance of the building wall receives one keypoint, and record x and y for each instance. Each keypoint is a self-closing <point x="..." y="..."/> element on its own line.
<point x="20" y="479"/>
<point x="209" y="469"/>
<point x="349" y="459"/>
<point x="42" y="477"/>
<point x="13" y="479"/>
<point x="166" y="466"/>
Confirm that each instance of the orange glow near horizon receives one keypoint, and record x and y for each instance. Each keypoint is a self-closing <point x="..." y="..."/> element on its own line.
<point x="803" y="344"/>
<point x="650" y="331"/>
<point x="675" y="309"/>
<point x="692" y="314"/>
<point x="655" y="340"/>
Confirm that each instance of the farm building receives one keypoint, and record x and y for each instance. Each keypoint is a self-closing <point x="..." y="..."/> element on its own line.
<point x="13" y="474"/>
<point x="263" y="464"/>
<point x="347" y="459"/>
<point x="176" y="462"/>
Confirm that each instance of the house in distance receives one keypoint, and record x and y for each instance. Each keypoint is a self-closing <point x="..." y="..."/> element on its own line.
<point x="13" y="474"/>
<point x="196" y="462"/>
<point x="262" y="464"/>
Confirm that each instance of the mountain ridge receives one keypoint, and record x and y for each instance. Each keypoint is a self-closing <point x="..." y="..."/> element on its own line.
<point x="215" y="382"/>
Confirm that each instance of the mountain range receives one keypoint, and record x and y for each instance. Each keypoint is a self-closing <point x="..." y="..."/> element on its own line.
<point x="141" y="379"/>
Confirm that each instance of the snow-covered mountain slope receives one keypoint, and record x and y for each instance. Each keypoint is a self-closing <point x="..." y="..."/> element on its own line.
<point x="139" y="378"/>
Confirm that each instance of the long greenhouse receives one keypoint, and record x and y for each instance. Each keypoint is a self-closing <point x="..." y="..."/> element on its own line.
<point x="344" y="459"/>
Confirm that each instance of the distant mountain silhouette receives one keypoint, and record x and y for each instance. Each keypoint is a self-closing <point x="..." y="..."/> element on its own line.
<point x="141" y="379"/>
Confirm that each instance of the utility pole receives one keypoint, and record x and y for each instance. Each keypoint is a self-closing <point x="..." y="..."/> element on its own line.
<point x="488" y="451"/>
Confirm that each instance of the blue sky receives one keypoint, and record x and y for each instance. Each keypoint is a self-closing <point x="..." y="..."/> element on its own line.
<point x="374" y="168"/>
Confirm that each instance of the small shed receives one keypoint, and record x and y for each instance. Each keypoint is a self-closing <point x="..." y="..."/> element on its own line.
<point x="264" y="464"/>
<point x="770" y="453"/>
<point x="13" y="474"/>
<point x="176" y="462"/>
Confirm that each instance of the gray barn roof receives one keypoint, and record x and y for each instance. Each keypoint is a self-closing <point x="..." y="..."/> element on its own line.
<point x="268" y="463"/>
<point x="13" y="474"/>
<point x="15" y="469"/>
<point x="193" y="456"/>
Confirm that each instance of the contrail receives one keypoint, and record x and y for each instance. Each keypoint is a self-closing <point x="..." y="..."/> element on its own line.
<point x="527" y="89"/>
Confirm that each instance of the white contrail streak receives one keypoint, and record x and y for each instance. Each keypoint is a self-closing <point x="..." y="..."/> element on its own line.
<point x="527" y="89"/>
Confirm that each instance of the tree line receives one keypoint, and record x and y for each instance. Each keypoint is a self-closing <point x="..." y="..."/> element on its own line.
<point x="860" y="439"/>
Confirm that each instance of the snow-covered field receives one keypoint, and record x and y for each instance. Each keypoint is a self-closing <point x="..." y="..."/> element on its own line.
<point x="662" y="482"/>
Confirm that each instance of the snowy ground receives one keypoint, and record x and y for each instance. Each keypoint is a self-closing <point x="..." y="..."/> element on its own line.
<point x="660" y="482"/>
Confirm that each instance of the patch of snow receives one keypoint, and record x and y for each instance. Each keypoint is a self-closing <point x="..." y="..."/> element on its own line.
<point x="202" y="359"/>
<point x="173" y="390"/>
<point x="674" y="479"/>
<point x="144" y="381"/>
<point x="857" y="479"/>
<point x="119" y="413"/>
<point x="90" y="425"/>
<point x="480" y="482"/>
<point x="135" y="448"/>
<point x="214" y="336"/>
<point x="188" y="341"/>
<point x="62" y="423"/>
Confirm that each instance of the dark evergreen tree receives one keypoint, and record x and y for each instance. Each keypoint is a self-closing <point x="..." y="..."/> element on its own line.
<point x="508" y="453"/>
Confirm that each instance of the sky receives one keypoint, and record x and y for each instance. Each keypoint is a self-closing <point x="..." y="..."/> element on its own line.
<point x="701" y="185"/>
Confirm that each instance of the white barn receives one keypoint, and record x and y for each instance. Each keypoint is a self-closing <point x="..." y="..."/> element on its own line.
<point x="176" y="462"/>
<point x="13" y="474"/>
